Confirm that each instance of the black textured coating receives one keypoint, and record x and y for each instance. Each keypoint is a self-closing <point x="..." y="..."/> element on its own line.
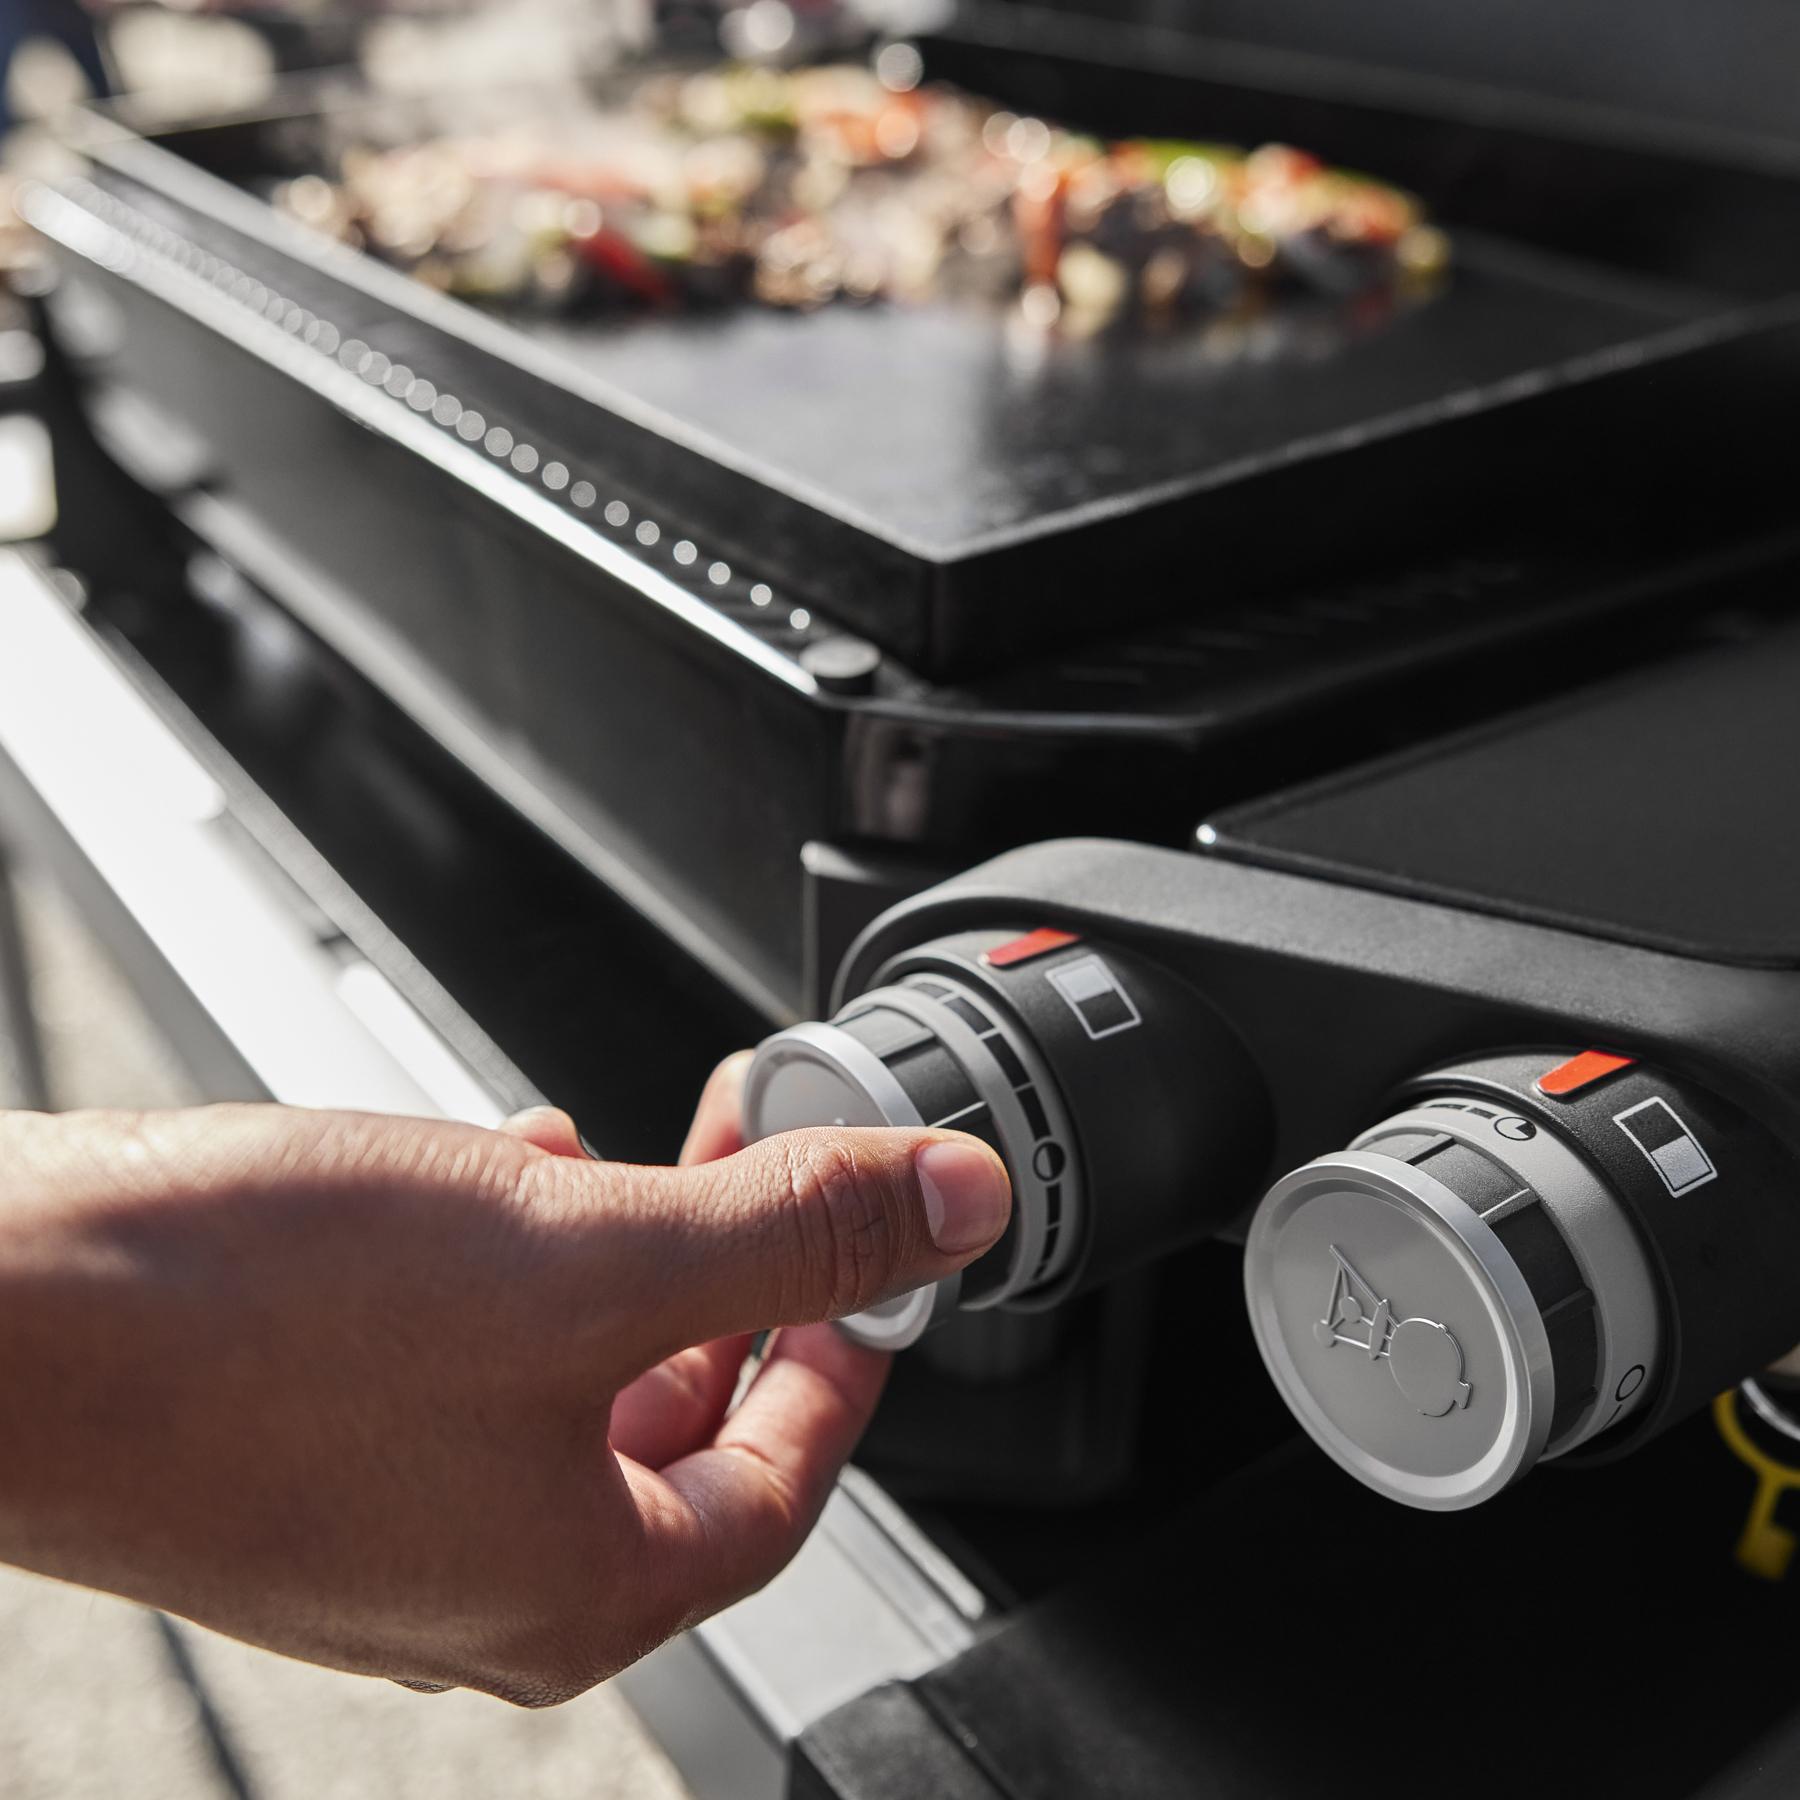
<point x="1657" y="812"/>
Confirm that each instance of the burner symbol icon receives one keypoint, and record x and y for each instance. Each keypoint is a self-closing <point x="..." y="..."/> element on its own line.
<point x="1423" y="1356"/>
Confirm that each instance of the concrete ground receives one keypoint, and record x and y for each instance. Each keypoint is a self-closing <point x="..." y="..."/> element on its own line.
<point x="102" y="1700"/>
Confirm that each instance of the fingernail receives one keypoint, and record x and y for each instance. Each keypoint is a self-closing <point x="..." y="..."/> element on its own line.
<point x="967" y="1196"/>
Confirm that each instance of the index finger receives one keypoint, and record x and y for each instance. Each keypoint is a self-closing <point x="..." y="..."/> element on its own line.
<point x="728" y="1518"/>
<point x="717" y="1129"/>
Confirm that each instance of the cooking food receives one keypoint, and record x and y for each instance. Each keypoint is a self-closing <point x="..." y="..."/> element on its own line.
<point x="801" y="188"/>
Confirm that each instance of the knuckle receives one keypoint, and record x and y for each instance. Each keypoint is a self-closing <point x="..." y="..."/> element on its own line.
<point x="843" y="1216"/>
<point x="771" y="1490"/>
<point x="547" y="1668"/>
<point x="536" y="1693"/>
<point x="529" y="1691"/>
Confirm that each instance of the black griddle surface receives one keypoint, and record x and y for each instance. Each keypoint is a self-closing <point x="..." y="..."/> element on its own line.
<point x="950" y="429"/>
<point x="962" y="490"/>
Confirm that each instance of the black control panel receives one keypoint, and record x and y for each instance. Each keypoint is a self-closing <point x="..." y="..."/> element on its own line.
<point x="1463" y="1257"/>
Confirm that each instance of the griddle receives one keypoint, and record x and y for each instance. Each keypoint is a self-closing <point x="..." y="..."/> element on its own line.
<point x="967" y="494"/>
<point x="956" y="435"/>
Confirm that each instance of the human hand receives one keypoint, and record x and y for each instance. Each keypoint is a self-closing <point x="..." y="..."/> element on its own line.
<point x="437" y="1403"/>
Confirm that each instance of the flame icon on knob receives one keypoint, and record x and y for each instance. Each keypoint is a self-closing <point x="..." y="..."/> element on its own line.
<point x="1423" y="1356"/>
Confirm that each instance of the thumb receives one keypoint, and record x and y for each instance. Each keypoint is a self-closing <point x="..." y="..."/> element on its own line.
<point x="811" y="1225"/>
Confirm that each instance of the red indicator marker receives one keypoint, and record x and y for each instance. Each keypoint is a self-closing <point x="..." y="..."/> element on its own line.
<point x="1022" y="949"/>
<point x="1580" y="1072"/>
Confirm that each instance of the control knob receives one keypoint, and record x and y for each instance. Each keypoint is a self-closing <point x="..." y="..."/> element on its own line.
<point x="1536" y="1252"/>
<point x="1126" y="1113"/>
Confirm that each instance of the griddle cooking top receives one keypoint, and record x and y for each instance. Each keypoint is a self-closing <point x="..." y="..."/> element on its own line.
<point x="969" y="494"/>
<point x="950" y="429"/>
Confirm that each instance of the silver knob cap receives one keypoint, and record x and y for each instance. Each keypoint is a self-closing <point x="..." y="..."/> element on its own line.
<point x="932" y="1051"/>
<point x="1452" y="1299"/>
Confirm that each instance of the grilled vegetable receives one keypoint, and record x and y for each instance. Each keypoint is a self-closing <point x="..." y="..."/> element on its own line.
<point x="806" y="187"/>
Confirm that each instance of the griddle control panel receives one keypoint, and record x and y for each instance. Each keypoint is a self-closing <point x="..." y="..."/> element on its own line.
<point x="1125" y="1112"/>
